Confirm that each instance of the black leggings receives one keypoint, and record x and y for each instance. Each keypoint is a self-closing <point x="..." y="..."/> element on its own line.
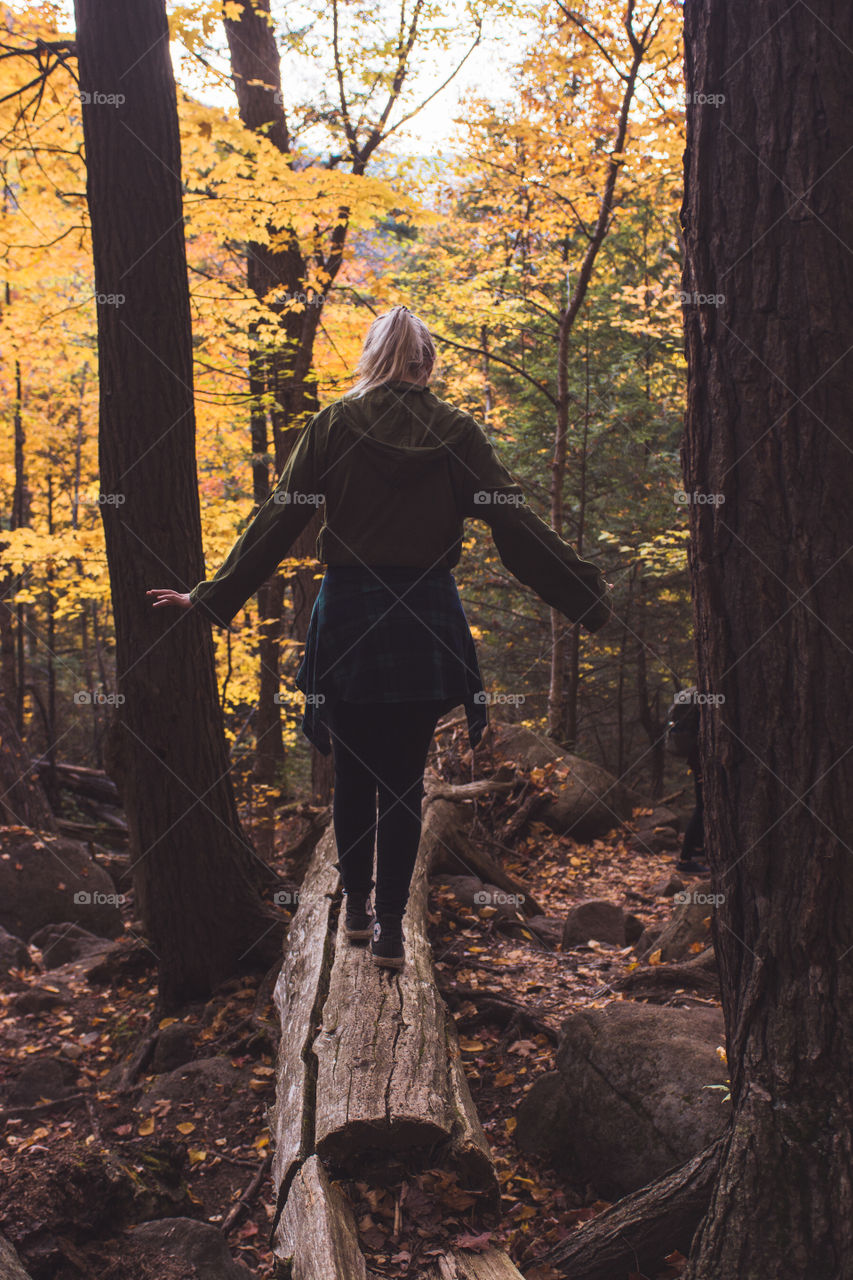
<point x="380" y="746"/>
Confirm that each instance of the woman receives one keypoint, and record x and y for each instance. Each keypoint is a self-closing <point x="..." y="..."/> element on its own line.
<point x="389" y="649"/>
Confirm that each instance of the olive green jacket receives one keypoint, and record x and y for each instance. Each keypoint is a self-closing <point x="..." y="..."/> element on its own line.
<point x="398" y="470"/>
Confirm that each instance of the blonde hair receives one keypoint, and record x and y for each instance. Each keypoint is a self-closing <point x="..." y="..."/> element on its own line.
<point x="398" y="348"/>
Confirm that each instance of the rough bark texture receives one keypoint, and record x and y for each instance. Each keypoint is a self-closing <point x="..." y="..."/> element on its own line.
<point x="768" y="224"/>
<point x="195" y="874"/>
<point x="318" y="1233"/>
<point x="641" y="1230"/>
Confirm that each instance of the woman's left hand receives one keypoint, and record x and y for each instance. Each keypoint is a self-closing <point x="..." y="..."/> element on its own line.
<point x="166" y="597"/>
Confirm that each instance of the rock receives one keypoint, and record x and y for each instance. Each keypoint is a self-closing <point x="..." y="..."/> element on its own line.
<point x="669" y="887"/>
<point x="46" y="879"/>
<point x="549" y="928"/>
<point x="595" y="919"/>
<point x="175" y="1046"/>
<point x="63" y="942"/>
<point x="647" y="940"/>
<point x="634" y="929"/>
<point x="660" y="817"/>
<point x="125" y="960"/>
<point x="588" y="801"/>
<point x="463" y="888"/>
<point x="627" y="1101"/>
<point x="214" y="1078"/>
<point x="85" y="1192"/>
<point x="42" y="1079"/>
<point x="36" y="999"/>
<point x="13" y="955"/>
<point x="689" y="924"/>
<point x="197" y="1249"/>
<point x="10" y="1263"/>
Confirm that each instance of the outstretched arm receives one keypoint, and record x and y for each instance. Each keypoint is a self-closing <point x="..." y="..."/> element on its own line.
<point x="268" y="537"/>
<point x="527" y="546"/>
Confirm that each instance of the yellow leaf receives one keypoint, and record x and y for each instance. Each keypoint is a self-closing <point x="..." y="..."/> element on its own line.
<point x="471" y="1046"/>
<point x="196" y="1156"/>
<point x="146" y="1127"/>
<point x="655" y="957"/>
<point x="186" y="1127"/>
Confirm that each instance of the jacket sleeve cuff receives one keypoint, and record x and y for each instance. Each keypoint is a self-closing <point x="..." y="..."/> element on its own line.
<point x="203" y="596"/>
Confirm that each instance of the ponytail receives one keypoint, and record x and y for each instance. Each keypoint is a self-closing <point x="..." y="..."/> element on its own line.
<point x="398" y="348"/>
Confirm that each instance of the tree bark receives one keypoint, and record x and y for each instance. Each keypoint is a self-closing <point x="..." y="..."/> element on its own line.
<point x="195" y="875"/>
<point x="639" y="1232"/>
<point x="768" y="225"/>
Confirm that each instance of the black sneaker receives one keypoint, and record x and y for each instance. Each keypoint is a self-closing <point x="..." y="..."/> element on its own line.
<point x="387" y="946"/>
<point x="692" y="868"/>
<point x="359" y="919"/>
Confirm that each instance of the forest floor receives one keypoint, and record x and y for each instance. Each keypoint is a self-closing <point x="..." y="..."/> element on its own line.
<point x="74" y="1172"/>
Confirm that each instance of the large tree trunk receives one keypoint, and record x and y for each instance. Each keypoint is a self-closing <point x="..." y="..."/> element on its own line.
<point x="195" y="874"/>
<point x="769" y="224"/>
<point x="285" y="353"/>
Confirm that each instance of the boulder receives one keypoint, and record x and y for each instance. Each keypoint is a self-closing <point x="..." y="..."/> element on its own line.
<point x="648" y="940"/>
<point x="595" y="919"/>
<point x="13" y="953"/>
<point x="209" y="1078"/>
<point x="47" y="879"/>
<point x="668" y="887"/>
<point x="588" y="801"/>
<point x="64" y="942"/>
<point x="193" y="1248"/>
<point x="689" y="924"/>
<point x="175" y="1046"/>
<point x="627" y="1100"/>
<point x="42" y="1079"/>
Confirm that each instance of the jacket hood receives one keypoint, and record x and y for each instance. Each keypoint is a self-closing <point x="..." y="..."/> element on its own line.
<point x="399" y="423"/>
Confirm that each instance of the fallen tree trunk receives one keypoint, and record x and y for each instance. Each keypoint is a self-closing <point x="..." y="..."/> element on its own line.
<point x="451" y="851"/>
<point x="636" y="1234"/>
<point x="369" y="1076"/>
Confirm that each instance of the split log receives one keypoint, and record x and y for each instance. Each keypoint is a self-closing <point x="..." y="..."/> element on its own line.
<point x="369" y="1071"/>
<point x="450" y="850"/>
<point x="95" y="784"/>
<point x="318" y="1237"/>
<point x="465" y="1264"/>
<point x="638" y="1232"/>
<point x="462" y="791"/>
<point x="299" y="995"/>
